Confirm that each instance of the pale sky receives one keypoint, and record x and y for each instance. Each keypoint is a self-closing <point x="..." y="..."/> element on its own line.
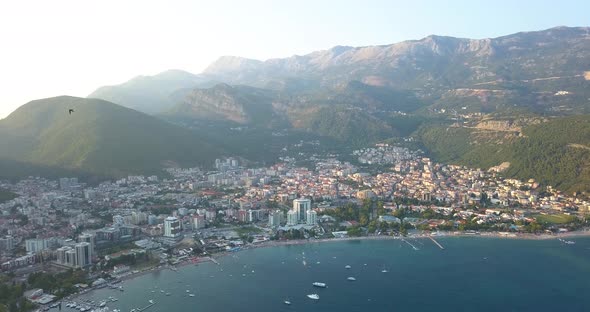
<point x="57" y="47"/>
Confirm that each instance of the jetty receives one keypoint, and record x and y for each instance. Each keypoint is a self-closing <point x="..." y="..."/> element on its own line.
<point x="414" y="247"/>
<point x="146" y="307"/>
<point x="437" y="243"/>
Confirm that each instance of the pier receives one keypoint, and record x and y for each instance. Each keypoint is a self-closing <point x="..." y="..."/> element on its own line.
<point x="437" y="243"/>
<point x="414" y="247"/>
<point x="146" y="307"/>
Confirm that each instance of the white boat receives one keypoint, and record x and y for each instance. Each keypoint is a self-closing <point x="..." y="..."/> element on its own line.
<point x="350" y="278"/>
<point x="347" y="267"/>
<point x="313" y="296"/>
<point x="102" y="304"/>
<point x="191" y="295"/>
<point x="318" y="284"/>
<point x="287" y="302"/>
<point x="151" y="301"/>
<point x="384" y="271"/>
<point x="187" y="291"/>
<point x="167" y="294"/>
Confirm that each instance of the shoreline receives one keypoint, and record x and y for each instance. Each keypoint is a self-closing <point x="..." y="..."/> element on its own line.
<point x="268" y="244"/>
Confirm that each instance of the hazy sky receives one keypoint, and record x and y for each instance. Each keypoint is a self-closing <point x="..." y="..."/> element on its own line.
<point x="57" y="47"/>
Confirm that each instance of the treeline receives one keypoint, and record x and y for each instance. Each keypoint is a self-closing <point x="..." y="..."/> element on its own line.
<point x="60" y="284"/>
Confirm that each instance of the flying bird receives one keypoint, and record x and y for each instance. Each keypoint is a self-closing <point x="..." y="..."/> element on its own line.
<point x="70" y="111"/>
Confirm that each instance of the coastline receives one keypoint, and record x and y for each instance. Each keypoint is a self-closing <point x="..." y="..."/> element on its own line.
<point x="268" y="244"/>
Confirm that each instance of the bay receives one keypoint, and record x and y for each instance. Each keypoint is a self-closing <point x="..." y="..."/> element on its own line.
<point x="470" y="274"/>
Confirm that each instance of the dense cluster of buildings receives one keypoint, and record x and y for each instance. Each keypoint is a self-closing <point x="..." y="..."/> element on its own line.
<point x="65" y="221"/>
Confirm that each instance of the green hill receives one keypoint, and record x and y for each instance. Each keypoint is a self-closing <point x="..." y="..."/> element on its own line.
<point x="556" y="152"/>
<point x="352" y="127"/>
<point x="99" y="138"/>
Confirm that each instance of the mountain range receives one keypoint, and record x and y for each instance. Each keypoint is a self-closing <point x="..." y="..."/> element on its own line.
<point x="478" y="102"/>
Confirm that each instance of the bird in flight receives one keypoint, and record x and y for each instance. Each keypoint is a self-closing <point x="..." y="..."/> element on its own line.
<point x="70" y="111"/>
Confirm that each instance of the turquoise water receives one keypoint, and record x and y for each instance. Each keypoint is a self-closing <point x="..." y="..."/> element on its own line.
<point x="470" y="274"/>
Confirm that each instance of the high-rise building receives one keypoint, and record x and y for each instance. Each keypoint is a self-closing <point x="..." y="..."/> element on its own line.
<point x="311" y="217"/>
<point x="87" y="238"/>
<point x="71" y="259"/>
<point x="61" y="255"/>
<point x="292" y="217"/>
<point x="138" y="217"/>
<point x="301" y="206"/>
<point x="83" y="254"/>
<point x="172" y="227"/>
<point x="242" y="215"/>
<point x="275" y="218"/>
<point x="198" y="222"/>
<point x="254" y="215"/>
<point x="35" y="245"/>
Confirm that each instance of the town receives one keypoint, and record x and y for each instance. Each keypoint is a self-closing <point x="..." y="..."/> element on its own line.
<point x="119" y="228"/>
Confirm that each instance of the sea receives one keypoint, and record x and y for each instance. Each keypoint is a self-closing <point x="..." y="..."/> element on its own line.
<point x="469" y="274"/>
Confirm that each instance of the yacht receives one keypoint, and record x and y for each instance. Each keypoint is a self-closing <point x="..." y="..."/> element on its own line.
<point x="318" y="284"/>
<point x="313" y="296"/>
<point x="347" y="267"/>
<point x="350" y="278"/>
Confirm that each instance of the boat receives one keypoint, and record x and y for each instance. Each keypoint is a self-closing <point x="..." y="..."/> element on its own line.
<point x="350" y="278"/>
<point x="167" y="294"/>
<point x="102" y="304"/>
<point x="162" y="291"/>
<point x="287" y="302"/>
<point x="384" y="271"/>
<point x="313" y="296"/>
<point x="347" y="266"/>
<point x="318" y="284"/>
<point x="191" y="295"/>
<point x="151" y="301"/>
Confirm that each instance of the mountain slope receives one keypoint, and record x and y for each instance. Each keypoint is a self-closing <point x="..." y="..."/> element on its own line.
<point x="554" y="152"/>
<point x="240" y="104"/>
<point x="99" y="137"/>
<point x="150" y="94"/>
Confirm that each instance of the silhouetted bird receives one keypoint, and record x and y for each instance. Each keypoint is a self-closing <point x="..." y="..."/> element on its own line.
<point x="71" y="111"/>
